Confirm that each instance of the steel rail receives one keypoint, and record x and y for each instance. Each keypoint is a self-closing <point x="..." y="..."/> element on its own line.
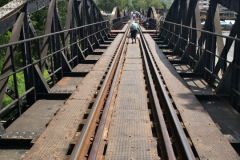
<point x="185" y="144"/>
<point x="101" y="96"/>
<point x="98" y="136"/>
<point x="164" y="132"/>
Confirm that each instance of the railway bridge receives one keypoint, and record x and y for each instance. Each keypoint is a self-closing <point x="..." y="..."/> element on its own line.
<point x="83" y="90"/>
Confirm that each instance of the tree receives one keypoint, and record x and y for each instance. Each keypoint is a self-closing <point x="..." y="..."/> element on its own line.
<point x="107" y="5"/>
<point x="3" y="2"/>
<point x="139" y="4"/>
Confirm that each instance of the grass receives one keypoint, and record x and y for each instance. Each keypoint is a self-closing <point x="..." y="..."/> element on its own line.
<point x="21" y="87"/>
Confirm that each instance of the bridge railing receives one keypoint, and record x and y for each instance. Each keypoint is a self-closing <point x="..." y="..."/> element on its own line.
<point x="119" y="22"/>
<point x="42" y="72"/>
<point x="218" y="65"/>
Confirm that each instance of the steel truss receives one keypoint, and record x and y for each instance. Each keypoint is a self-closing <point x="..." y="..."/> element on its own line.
<point x="204" y="49"/>
<point x="56" y="52"/>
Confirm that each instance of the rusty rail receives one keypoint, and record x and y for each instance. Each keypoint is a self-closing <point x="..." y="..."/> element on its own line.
<point x="180" y="133"/>
<point x="78" y="152"/>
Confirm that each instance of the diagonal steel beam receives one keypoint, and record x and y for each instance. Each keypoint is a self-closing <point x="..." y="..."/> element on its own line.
<point x="7" y="61"/>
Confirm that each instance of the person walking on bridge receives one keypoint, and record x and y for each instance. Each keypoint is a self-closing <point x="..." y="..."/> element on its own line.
<point x="134" y="30"/>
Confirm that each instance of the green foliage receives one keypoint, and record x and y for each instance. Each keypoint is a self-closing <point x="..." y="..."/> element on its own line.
<point x="38" y="20"/>
<point x="3" y="2"/>
<point x="108" y="5"/>
<point x="168" y="3"/>
<point x="21" y="87"/>
<point x="3" y="40"/>
<point x="62" y="8"/>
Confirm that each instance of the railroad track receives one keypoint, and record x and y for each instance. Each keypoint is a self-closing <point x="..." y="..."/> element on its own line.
<point x="172" y="141"/>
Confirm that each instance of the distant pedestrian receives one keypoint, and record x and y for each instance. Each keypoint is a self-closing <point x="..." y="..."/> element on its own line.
<point x="134" y="15"/>
<point x="134" y="30"/>
<point x="147" y="23"/>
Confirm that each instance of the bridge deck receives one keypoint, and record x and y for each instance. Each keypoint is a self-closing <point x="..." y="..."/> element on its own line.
<point x="131" y="137"/>
<point x="208" y="140"/>
<point x="50" y="128"/>
<point x="65" y="125"/>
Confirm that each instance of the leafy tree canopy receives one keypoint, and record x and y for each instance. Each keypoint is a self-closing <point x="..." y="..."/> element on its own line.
<point x="108" y="5"/>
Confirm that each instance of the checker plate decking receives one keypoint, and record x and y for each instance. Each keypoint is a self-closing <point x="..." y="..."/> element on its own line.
<point x="206" y="137"/>
<point x="93" y="57"/>
<point x="83" y="68"/>
<point x="183" y="68"/>
<point x="54" y="142"/>
<point x="199" y="86"/>
<point x="66" y="85"/>
<point x="130" y="137"/>
<point x="36" y="117"/>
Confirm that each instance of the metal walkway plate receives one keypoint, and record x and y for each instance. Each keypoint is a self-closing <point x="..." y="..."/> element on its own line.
<point x="66" y="85"/>
<point x="59" y="133"/>
<point x="83" y="68"/>
<point x="103" y="63"/>
<point x="6" y="154"/>
<point x="133" y="61"/>
<point x="120" y="149"/>
<point x="114" y="45"/>
<point x="174" y="57"/>
<point x="206" y="137"/>
<point x="54" y="142"/>
<point x="128" y="128"/>
<point x="87" y="88"/>
<point x="199" y="86"/>
<point x="183" y="68"/>
<point x="132" y="67"/>
<point x="35" y="119"/>
<point x="133" y="51"/>
<point x="222" y="113"/>
<point x="99" y="50"/>
<point x="130" y="137"/>
<point x="93" y="57"/>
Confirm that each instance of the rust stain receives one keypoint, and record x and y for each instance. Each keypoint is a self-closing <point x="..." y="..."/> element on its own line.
<point x="64" y="81"/>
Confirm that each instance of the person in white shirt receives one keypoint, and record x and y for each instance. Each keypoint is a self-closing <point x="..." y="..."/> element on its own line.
<point x="134" y="15"/>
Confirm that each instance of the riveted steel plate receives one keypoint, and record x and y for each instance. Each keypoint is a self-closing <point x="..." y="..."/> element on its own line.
<point x="6" y="154"/>
<point x="66" y="85"/>
<point x="83" y="68"/>
<point x="53" y="143"/>
<point x="120" y="149"/>
<point x="36" y="117"/>
<point x="11" y="7"/>
<point x="208" y="140"/>
<point x="183" y="68"/>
